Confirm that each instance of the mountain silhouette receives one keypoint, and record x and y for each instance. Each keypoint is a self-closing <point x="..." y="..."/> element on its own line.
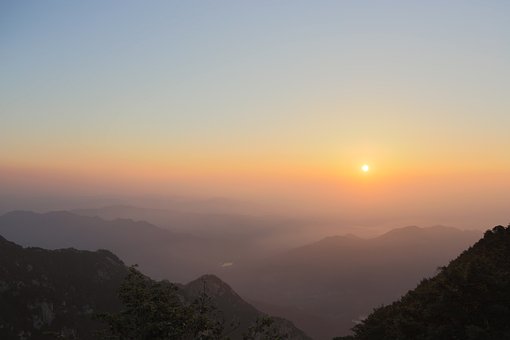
<point x="48" y="294"/>
<point x="45" y="294"/>
<point x="161" y="253"/>
<point x="326" y="286"/>
<point x="467" y="299"/>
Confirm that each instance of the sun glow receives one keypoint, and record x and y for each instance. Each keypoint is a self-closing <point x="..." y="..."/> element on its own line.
<point x="365" y="168"/>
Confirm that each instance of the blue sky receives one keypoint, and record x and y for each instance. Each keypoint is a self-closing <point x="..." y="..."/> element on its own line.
<point x="292" y="88"/>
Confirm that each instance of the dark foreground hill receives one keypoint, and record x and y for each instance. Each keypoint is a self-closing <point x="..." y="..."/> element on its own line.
<point x="322" y="287"/>
<point x="49" y="294"/>
<point x="46" y="293"/>
<point x="468" y="299"/>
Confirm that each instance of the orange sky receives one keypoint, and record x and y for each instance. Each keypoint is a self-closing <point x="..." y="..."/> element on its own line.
<point x="248" y="102"/>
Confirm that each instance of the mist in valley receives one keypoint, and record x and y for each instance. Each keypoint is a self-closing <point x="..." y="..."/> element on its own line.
<point x="323" y="273"/>
<point x="265" y="170"/>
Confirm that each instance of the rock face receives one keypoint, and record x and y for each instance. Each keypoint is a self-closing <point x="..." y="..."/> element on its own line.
<point x="48" y="294"/>
<point x="44" y="294"/>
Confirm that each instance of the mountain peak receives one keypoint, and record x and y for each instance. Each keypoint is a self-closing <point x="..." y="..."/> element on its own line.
<point x="212" y="284"/>
<point x="415" y="231"/>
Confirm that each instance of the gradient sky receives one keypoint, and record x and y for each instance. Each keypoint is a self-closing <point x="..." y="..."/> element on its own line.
<point x="265" y="98"/>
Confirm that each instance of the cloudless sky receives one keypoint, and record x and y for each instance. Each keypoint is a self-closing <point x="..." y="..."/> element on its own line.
<point x="226" y="97"/>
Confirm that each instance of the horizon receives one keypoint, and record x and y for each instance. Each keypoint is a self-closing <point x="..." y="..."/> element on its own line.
<point x="278" y="105"/>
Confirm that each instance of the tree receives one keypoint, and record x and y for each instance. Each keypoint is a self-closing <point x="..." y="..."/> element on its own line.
<point x="265" y="328"/>
<point x="153" y="310"/>
<point x="468" y="299"/>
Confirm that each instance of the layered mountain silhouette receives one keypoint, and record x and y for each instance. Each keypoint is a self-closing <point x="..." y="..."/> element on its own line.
<point x="468" y="299"/>
<point x="160" y="253"/>
<point x="324" y="287"/>
<point x="251" y="230"/>
<point x="201" y="222"/>
<point x="233" y="307"/>
<point x="327" y="286"/>
<point x="48" y="294"/>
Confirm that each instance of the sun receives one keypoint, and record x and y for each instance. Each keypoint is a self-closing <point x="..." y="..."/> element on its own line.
<point x="365" y="168"/>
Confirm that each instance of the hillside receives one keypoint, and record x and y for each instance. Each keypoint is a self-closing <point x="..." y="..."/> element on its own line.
<point x="46" y="294"/>
<point x="233" y="307"/>
<point x="468" y="299"/>
<point x="324" y="287"/>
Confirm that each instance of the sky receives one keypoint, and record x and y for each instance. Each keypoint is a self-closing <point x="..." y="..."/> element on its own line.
<point x="278" y="101"/>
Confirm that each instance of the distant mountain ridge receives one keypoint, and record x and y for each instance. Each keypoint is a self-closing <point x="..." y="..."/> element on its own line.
<point x="200" y="222"/>
<point x="306" y="284"/>
<point x="160" y="253"/>
<point x="251" y="228"/>
<point x="340" y="278"/>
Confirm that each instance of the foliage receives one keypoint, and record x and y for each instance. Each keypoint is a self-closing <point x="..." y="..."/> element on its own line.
<point x="154" y="310"/>
<point x="265" y="329"/>
<point x="468" y="299"/>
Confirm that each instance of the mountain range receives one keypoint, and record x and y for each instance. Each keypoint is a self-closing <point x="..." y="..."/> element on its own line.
<point x="324" y="287"/>
<point x="327" y="286"/>
<point x="48" y="294"/>
<point x="160" y="253"/>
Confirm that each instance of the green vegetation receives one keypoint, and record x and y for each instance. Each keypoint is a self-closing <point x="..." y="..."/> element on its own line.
<point x="59" y="294"/>
<point x="468" y="299"/>
<point x="154" y="310"/>
<point x="265" y="328"/>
